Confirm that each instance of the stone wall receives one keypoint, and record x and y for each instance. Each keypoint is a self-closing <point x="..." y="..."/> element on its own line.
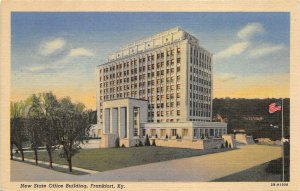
<point x="131" y="142"/>
<point x="91" y="144"/>
<point x="250" y="140"/>
<point x="243" y="138"/>
<point x="179" y="143"/>
<point x="212" y="143"/>
<point x="191" y="144"/>
<point x="108" y="140"/>
<point x="230" y="140"/>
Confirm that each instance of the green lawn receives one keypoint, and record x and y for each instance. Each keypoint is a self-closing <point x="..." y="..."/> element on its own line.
<point x="115" y="158"/>
<point x="255" y="174"/>
<point x="58" y="169"/>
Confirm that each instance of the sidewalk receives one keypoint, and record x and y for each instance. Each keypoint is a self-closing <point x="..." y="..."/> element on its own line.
<point x="58" y="165"/>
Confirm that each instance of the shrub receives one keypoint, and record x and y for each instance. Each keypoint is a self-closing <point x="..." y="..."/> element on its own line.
<point x="117" y="142"/>
<point x="153" y="142"/>
<point x="140" y="143"/>
<point x="147" y="141"/>
<point x="226" y="144"/>
<point x="202" y="136"/>
<point x="229" y="145"/>
<point x="123" y="146"/>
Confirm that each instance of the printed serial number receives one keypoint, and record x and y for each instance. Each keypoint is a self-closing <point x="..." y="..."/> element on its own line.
<point x="280" y="184"/>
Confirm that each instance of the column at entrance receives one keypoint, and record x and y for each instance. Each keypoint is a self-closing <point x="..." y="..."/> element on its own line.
<point x="123" y="122"/>
<point x="106" y="119"/>
<point x="114" y="121"/>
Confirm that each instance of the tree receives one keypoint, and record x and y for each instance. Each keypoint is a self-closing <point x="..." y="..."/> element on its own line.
<point x="117" y="142"/>
<point x="153" y="142"/>
<point x="202" y="136"/>
<point x="50" y="105"/>
<point x="33" y="126"/>
<point x="147" y="141"/>
<point x="74" y="127"/>
<point x="34" y="123"/>
<point x="140" y="143"/>
<point x="18" y="134"/>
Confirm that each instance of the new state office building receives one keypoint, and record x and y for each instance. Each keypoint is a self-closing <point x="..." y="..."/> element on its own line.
<point x="160" y="86"/>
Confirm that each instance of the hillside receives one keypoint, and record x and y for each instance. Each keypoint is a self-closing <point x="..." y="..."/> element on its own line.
<point x="253" y="116"/>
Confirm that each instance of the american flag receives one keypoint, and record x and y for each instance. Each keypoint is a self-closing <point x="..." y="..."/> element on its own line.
<point x="273" y="107"/>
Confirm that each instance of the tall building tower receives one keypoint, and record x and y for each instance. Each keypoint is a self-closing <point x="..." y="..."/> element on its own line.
<point x="170" y="70"/>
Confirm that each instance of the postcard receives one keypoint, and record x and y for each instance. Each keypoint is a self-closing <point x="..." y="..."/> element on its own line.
<point x="149" y="95"/>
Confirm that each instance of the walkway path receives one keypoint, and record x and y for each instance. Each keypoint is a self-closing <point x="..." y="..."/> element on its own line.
<point x="199" y="168"/>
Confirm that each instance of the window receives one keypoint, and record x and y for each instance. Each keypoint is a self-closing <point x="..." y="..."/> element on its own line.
<point x="185" y="132"/>
<point x="153" y="132"/>
<point x="211" y="132"/>
<point x="135" y="133"/>
<point x="173" y="132"/>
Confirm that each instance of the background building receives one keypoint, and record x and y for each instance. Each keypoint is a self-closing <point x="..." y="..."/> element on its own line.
<point x="173" y="73"/>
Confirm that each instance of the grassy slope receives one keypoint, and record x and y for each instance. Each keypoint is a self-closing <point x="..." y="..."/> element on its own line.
<point x="255" y="174"/>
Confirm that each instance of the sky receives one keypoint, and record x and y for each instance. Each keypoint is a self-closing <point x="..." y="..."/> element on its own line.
<point x="59" y="51"/>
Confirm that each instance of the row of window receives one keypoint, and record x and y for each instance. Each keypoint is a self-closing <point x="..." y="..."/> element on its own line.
<point x="142" y="90"/>
<point x="163" y="120"/>
<point x="200" y="80"/>
<point x="133" y="62"/>
<point x="195" y="52"/>
<point x="200" y="113"/>
<point x="111" y="77"/>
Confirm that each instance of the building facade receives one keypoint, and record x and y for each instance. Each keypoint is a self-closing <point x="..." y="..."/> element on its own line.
<point x="169" y="70"/>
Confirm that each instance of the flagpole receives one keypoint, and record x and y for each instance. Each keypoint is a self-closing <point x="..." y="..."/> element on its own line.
<point x="282" y="137"/>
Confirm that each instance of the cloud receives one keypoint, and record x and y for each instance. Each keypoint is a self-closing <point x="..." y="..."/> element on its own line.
<point x="226" y="77"/>
<point x="245" y="35"/>
<point x="233" y="50"/>
<point x="50" y="47"/>
<point x="61" y="63"/>
<point x="49" y="67"/>
<point x="37" y="68"/>
<point x="251" y="30"/>
<point x="265" y="49"/>
<point x="80" y="52"/>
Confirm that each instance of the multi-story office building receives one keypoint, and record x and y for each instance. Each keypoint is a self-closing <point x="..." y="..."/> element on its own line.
<point x="173" y="73"/>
